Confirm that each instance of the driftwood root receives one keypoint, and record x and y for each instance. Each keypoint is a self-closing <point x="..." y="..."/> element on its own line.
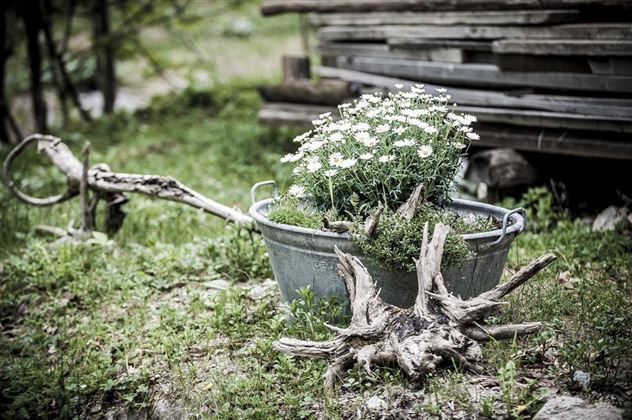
<point x="106" y="185"/>
<point x="440" y="329"/>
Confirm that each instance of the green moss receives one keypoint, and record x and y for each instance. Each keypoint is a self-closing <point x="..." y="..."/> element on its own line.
<point x="290" y="211"/>
<point x="397" y="241"/>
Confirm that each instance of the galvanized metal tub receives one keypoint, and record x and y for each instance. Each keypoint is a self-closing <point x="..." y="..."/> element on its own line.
<point x="302" y="257"/>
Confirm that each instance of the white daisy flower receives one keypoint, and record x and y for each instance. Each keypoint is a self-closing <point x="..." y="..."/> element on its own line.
<point x="298" y="170"/>
<point x="383" y="128"/>
<point x="348" y="163"/>
<point x="330" y="172"/>
<point x="318" y="122"/>
<point x="386" y="158"/>
<point x="417" y="123"/>
<point x="361" y="126"/>
<point x="431" y="130"/>
<point x="292" y="157"/>
<point x="344" y="126"/>
<point x="470" y="118"/>
<point x="312" y="146"/>
<point x="313" y="164"/>
<point x="366" y="139"/>
<point x="398" y="86"/>
<point x="404" y="143"/>
<point x="366" y="156"/>
<point x="299" y="139"/>
<point x="472" y="136"/>
<point x="297" y="191"/>
<point x="460" y="146"/>
<point x="324" y="115"/>
<point x="400" y="130"/>
<point x="336" y="137"/>
<point x="424" y="151"/>
<point x="441" y="90"/>
<point x="335" y="159"/>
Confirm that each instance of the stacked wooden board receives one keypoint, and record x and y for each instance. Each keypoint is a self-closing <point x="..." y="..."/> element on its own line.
<point x="546" y="75"/>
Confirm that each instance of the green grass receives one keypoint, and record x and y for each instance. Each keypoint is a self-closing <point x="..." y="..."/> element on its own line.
<point x="143" y="320"/>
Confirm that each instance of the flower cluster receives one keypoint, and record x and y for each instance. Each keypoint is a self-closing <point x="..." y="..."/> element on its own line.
<point x="380" y="149"/>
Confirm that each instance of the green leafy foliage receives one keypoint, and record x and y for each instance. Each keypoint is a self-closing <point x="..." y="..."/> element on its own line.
<point x="397" y="241"/>
<point x="240" y="255"/>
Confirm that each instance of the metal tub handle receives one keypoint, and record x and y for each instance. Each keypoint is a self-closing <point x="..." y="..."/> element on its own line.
<point x="503" y="232"/>
<point x="253" y="190"/>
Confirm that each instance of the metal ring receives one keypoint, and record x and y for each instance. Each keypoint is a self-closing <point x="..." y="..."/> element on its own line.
<point x="253" y="190"/>
<point x="6" y="174"/>
<point x="503" y="232"/>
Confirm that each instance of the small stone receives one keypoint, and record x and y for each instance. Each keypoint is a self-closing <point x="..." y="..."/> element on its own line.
<point x="220" y="284"/>
<point x="258" y="292"/>
<point x="570" y="408"/>
<point x="609" y="218"/>
<point x="163" y="409"/>
<point x="582" y="378"/>
<point x="242" y="27"/>
<point x="565" y="279"/>
<point x="375" y="403"/>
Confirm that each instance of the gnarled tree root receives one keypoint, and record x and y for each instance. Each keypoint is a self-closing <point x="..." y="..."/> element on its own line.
<point x="108" y="186"/>
<point x="439" y="329"/>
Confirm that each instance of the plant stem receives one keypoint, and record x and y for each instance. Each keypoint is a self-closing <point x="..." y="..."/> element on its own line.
<point x="331" y="192"/>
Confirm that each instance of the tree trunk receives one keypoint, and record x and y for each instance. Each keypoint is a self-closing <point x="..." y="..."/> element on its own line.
<point x="31" y="14"/>
<point x="105" y="55"/>
<point x="4" y="107"/>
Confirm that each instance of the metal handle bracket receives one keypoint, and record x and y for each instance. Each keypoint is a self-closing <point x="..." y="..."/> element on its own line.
<point x="253" y="190"/>
<point x="505" y="225"/>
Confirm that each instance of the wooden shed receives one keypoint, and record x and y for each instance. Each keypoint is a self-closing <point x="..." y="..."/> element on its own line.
<point x="552" y="76"/>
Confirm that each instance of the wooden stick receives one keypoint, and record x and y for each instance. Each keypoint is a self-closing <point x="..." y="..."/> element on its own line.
<point x="86" y="207"/>
<point x="100" y="179"/>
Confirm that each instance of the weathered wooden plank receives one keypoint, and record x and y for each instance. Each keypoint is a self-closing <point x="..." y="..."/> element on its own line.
<point x="544" y="119"/>
<point x="297" y="115"/>
<point x="521" y="138"/>
<point x="273" y="7"/>
<point x="325" y="91"/>
<point x="415" y="43"/>
<point x="576" y="47"/>
<point x="449" y="55"/>
<point x="611" y="66"/>
<point x="295" y="68"/>
<point x="549" y="63"/>
<point x="495" y="17"/>
<point x="604" y="145"/>
<point x="615" y="31"/>
<point x="555" y="103"/>
<point x="485" y="75"/>
<point x="564" y="64"/>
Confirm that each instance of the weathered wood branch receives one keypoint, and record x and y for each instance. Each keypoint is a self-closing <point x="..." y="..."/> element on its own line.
<point x="339" y="226"/>
<point x="371" y="222"/>
<point x="437" y="330"/>
<point x="408" y="210"/>
<point x="108" y="185"/>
